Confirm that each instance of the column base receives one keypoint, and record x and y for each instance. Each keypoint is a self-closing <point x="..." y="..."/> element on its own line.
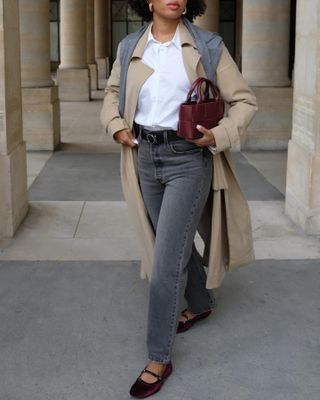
<point x="103" y="65"/>
<point x="93" y="76"/>
<point x="13" y="190"/>
<point x="303" y="188"/>
<point x="74" y="84"/>
<point x="41" y="118"/>
<point x="286" y="82"/>
<point x="272" y="126"/>
<point x="102" y="68"/>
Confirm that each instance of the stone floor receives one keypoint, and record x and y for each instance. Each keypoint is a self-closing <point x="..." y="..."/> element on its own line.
<point x="73" y="307"/>
<point x="76" y="331"/>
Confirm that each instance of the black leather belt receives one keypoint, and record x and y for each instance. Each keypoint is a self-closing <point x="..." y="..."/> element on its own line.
<point x="158" y="137"/>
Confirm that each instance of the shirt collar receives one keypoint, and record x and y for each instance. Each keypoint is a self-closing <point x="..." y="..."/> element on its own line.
<point x="185" y="37"/>
<point x="175" y="40"/>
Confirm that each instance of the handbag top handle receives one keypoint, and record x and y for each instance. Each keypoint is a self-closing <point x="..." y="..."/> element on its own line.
<point x="196" y="87"/>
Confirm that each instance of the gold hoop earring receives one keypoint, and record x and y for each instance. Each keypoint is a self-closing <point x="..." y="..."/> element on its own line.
<point x="150" y="7"/>
<point x="184" y="11"/>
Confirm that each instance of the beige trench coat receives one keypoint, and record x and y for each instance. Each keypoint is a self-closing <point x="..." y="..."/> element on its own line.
<point x="225" y="225"/>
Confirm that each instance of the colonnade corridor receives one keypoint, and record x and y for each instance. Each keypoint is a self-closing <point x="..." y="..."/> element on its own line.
<point x="73" y="308"/>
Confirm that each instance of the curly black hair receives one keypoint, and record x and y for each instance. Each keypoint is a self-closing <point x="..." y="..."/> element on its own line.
<point x="195" y="8"/>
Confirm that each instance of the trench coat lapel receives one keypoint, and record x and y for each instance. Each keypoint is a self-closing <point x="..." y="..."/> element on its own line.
<point x="138" y="73"/>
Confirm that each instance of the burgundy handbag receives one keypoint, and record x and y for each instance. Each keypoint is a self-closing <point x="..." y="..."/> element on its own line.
<point x="203" y="111"/>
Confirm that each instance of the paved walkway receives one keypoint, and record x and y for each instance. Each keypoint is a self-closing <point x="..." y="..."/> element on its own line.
<point x="73" y="307"/>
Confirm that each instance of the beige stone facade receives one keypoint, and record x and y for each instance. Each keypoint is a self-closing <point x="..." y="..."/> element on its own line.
<point x="13" y="175"/>
<point x="73" y="73"/>
<point x="265" y="66"/>
<point x="102" y="10"/>
<point x="90" y="46"/>
<point x="40" y="100"/>
<point x="261" y="36"/>
<point x="303" y="173"/>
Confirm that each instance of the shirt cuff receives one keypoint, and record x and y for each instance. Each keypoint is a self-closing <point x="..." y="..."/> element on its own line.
<point x="213" y="149"/>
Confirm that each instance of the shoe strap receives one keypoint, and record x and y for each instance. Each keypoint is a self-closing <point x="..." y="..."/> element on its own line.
<point x="189" y="318"/>
<point x="152" y="373"/>
<point x="186" y="316"/>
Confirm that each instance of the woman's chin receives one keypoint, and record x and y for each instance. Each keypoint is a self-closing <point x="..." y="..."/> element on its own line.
<point x="172" y="15"/>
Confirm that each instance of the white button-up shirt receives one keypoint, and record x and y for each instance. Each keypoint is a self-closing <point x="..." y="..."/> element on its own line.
<point x="163" y="92"/>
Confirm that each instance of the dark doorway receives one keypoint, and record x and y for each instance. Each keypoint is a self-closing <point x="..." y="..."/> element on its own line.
<point x="227" y="25"/>
<point x="293" y="21"/>
<point x="55" y="33"/>
<point x="124" y="21"/>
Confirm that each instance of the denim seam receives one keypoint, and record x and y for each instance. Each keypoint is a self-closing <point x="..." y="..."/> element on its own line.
<point x="185" y="152"/>
<point x="211" y="301"/>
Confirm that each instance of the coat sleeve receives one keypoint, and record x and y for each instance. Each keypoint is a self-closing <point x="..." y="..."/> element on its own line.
<point x="109" y="115"/>
<point x="241" y="99"/>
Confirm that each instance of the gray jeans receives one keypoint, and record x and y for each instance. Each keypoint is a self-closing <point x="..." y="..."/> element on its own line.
<point x="175" y="179"/>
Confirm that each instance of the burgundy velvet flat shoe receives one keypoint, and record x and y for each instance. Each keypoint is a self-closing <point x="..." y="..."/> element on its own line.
<point x="185" y="325"/>
<point x="141" y="389"/>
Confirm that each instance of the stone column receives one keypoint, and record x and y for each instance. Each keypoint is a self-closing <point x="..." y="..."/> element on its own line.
<point x="13" y="166"/>
<point x="265" y="42"/>
<point x="101" y="21"/>
<point x="90" y="46"/>
<point x="41" y="107"/>
<point x="303" y="173"/>
<point x="73" y="72"/>
<point x="210" y="19"/>
<point x="265" y="64"/>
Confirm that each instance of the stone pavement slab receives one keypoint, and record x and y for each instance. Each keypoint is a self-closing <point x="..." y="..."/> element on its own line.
<point x="276" y="236"/>
<point x="104" y="231"/>
<point x="72" y="176"/>
<point x="77" y="330"/>
<point x="81" y="129"/>
<point x="36" y="161"/>
<point x="73" y="231"/>
<point x="54" y="220"/>
<point x="253" y="183"/>
<point x="272" y="165"/>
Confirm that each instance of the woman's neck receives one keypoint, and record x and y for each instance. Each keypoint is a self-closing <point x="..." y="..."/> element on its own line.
<point x="163" y="30"/>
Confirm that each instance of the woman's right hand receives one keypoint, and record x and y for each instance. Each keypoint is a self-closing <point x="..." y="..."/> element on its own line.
<point x="125" y="137"/>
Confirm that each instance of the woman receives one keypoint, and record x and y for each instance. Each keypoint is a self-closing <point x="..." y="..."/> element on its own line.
<point x="172" y="186"/>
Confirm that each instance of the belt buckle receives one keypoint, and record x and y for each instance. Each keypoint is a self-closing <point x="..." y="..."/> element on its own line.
<point x="151" y="138"/>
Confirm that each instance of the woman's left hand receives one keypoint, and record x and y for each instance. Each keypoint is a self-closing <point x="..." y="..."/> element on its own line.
<point x="206" y="140"/>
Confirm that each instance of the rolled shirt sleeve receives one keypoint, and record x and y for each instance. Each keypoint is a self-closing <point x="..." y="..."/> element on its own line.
<point x="242" y="101"/>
